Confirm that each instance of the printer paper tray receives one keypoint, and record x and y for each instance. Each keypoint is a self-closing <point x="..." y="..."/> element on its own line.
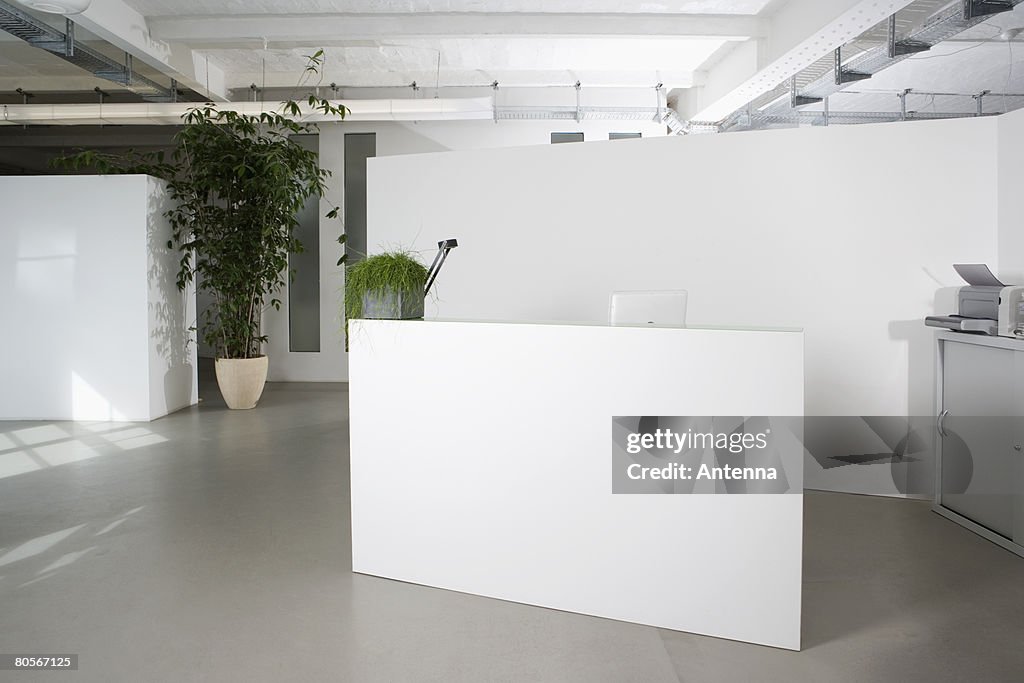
<point x="960" y="324"/>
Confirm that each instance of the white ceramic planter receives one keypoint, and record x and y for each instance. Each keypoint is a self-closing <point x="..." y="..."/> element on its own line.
<point x="241" y="381"/>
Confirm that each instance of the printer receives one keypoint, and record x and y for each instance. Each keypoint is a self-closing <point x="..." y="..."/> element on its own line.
<point x="986" y="305"/>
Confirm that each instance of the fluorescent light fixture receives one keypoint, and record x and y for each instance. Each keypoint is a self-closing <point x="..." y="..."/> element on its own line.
<point x="57" y="6"/>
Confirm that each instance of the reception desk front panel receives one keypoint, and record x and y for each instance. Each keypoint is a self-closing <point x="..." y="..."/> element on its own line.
<point x="481" y="458"/>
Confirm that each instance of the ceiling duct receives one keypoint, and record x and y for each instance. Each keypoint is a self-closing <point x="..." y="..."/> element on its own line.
<point x="584" y="113"/>
<point x="434" y="109"/>
<point x="671" y="119"/>
<point x="144" y="113"/>
<point x="890" y="47"/>
<point x="39" y="34"/>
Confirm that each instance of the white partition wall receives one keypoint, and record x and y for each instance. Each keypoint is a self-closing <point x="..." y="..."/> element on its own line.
<point x="93" y="325"/>
<point x="848" y="232"/>
<point x="396" y="138"/>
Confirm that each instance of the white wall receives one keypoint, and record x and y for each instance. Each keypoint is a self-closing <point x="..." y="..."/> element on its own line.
<point x="1011" y="197"/>
<point x="171" y="313"/>
<point x="93" y="325"/>
<point x="394" y="139"/>
<point x="846" y="231"/>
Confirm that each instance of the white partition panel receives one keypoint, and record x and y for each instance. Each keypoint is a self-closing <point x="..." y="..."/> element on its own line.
<point x="481" y="458"/>
<point x="93" y="325"/>
<point x="848" y="232"/>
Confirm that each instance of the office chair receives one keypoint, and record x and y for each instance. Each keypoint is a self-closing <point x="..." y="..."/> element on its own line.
<point x="660" y="307"/>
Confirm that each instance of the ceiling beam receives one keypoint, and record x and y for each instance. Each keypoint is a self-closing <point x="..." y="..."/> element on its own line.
<point x="328" y="29"/>
<point x="122" y="26"/>
<point x="427" y="79"/>
<point x="800" y="32"/>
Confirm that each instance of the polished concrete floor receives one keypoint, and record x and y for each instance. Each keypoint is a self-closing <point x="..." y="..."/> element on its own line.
<point x="214" y="546"/>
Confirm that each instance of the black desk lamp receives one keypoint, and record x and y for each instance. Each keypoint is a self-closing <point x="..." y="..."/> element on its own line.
<point x="443" y="247"/>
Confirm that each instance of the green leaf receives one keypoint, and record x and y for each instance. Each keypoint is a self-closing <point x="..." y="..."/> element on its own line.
<point x="398" y="270"/>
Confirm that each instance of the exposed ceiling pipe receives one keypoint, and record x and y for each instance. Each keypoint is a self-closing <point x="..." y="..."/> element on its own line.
<point x="581" y="113"/>
<point x="64" y="45"/>
<point x="143" y="113"/>
<point x="434" y="109"/>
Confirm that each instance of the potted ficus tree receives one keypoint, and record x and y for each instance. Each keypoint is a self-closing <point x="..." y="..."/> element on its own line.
<point x="237" y="183"/>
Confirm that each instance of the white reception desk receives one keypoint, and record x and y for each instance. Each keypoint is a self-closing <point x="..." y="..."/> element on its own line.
<point x="481" y="456"/>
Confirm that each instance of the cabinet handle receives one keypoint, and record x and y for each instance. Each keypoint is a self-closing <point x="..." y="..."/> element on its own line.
<point x="939" y="422"/>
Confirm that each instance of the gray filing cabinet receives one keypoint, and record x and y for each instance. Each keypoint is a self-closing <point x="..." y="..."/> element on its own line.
<point x="980" y="421"/>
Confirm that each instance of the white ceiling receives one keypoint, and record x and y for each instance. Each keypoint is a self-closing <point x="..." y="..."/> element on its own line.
<point x="177" y="8"/>
<point x="617" y="43"/>
<point x="712" y="46"/>
<point x="478" y="61"/>
<point x="264" y="41"/>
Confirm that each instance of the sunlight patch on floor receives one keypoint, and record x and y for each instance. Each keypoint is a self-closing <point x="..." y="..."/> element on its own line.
<point x="37" y="545"/>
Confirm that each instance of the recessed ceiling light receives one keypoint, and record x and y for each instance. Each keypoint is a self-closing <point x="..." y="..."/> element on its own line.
<point x="57" y="6"/>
